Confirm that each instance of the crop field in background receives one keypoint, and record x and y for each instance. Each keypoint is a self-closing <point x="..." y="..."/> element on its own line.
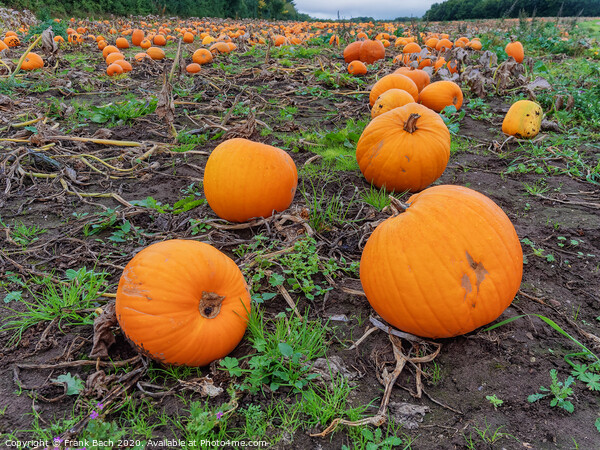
<point x="93" y="168"/>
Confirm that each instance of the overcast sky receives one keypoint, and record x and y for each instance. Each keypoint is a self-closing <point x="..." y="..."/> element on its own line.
<point x="377" y="9"/>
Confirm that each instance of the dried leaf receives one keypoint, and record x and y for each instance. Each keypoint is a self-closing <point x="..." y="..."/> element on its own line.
<point x="165" y="107"/>
<point x="97" y="384"/>
<point x="476" y="82"/>
<point x="539" y="83"/>
<point x="103" y="335"/>
<point x="549" y="125"/>
<point x="102" y="133"/>
<point x="407" y="414"/>
<point x="49" y="45"/>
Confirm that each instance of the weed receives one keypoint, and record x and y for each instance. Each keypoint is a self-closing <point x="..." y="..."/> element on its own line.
<point x="282" y="356"/>
<point x="452" y="118"/>
<point x="561" y="392"/>
<point x="495" y="401"/>
<point x="24" y="235"/>
<point x="72" y="301"/>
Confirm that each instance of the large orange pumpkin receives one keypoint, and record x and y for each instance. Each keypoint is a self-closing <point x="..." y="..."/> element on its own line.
<point x="371" y="51"/>
<point x="351" y="51"/>
<point x="440" y="94"/>
<point x="245" y="179"/>
<point x="406" y="148"/>
<point x="183" y="302"/>
<point x="202" y="56"/>
<point x="450" y="263"/>
<point x="393" y="81"/>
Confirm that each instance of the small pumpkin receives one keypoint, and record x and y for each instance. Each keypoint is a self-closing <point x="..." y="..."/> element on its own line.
<point x="391" y="81"/>
<point x="188" y="37"/>
<point x="245" y="179"/>
<point x="440" y="94"/>
<point x="449" y="263"/>
<point x="32" y="61"/>
<point x="113" y="57"/>
<point x="516" y="50"/>
<point x="523" y="119"/>
<point x="406" y="148"/>
<point x="137" y="36"/>
<point x="159" y="40"/>
<point x="193" y="68"/>
<point x="202" y="56"/>
<point x="390" y="99"/>
<point x="126" y="65"/>
<point x="219" y="47"/>
<point x="420" y="77"/>
<point x="183" y="302"/>
<point x="114" y="69"/>
<point x="156" y="53"/>
<point x="12" y="41"/>
<point x="357" y="68"/>
<point x="122" y="43"/>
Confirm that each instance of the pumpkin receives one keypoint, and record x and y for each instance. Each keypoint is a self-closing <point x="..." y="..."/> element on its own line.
<point x="188" y="37"/>
<point x="114" y="69"/>
<point x="108" y="49"/>
<point x="245" y="179"/>
<point x="440" y="94"/>
<point x="122" y="43"/>
<point x="126" y="65"/>
<point x="193" y="68"/>
<point x="420" y="77"/>
<point x="515" y="49"/>
<point x="32" y="61"/>
<point x="113" y="57"/>
<point x="219" y="47"/>
<point x="145" y="44"/>
<point x="351" y="51"/>
<point x="202" y="56"/>
<point x="390" y="99"/>
<point x="137" y="37"/>
<point x="393" y="80"/>
<point x="411" y="47"/>
<point x="406" y="148"/>
<point x="523" y="119"/>
<point x="475" y="44"/>
<point x="357" y="68"/>
<point x="448" y="264"/>
<point x="159" y="40"/>
<point x="183" y="302"/>
<point x="155" y="53"/>
<point x="12" y="41"/>
<point x="371" y="51"/>
<point x="443" y="44"/>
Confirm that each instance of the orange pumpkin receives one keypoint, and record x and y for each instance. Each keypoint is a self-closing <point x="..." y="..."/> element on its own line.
<point x="515" y="49"/>
<point x="122" y="43"/>
<point x="245" y="179"/>
<point x="32" y="61"/>
<point x="393" y="80"/>
<point x="193" y="68"/>
<point x="357" y="68"/>
<point x="390" y="99"/>
<point x="108" y="49"/>
<point x="406" y="148"/>
<point x="160" y="40"/>
<point x="183" y="302"/>
<point x="448" y="264"/>
<point x="440" y="94"/>
<point x="12" y="41"/>
<point x="137" y="37"/>
<point x="420" y="77"/>
<point x="155" y="53"/>
<point x="125" y="65"/>
<point x="202" y="56"/>
<point x="113" y="57"/>
<point x="188" y="37"/>
<point x="146" y="44"/>
<point x="114" y="69"/>
<point x="371" y="51"/>
<point x="351" y="52"/>
<point x="219" y="47"/>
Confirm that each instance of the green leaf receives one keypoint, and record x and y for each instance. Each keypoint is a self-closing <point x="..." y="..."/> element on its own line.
<point x="567" y="406"/>
<point x="231" y="365"/>
<point x="276" y="280"/>
<point x="13" y="296"/>
<point x="285" y="349"/>
<point x="597" y="423"/>
<point x="74" y="383"/>
<point x="535" y="397"/>
<point x="367" y="434"/>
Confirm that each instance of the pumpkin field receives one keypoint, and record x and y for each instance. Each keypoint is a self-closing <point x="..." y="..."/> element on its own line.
<point x="299" y="235"/>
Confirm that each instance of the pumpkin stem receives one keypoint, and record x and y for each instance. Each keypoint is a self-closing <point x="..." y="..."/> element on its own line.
<point x="210" y="304"/>
<point x="411" y="123"/>
<point x="397" y="206"/>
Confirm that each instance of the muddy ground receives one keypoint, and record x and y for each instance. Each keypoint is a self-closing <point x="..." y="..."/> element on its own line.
<point x="511" y="361"/>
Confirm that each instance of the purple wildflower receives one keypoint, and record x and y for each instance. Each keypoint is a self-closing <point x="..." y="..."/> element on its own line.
<point x="219" y="415"/>
<point x="94" y="415"/>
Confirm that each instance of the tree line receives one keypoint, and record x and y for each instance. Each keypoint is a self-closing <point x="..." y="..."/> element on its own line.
<point x="237" y="9"/>
<point x="490" y="9"/>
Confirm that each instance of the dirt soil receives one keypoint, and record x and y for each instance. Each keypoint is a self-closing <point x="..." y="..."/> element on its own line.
<point x="511" y="361"/>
